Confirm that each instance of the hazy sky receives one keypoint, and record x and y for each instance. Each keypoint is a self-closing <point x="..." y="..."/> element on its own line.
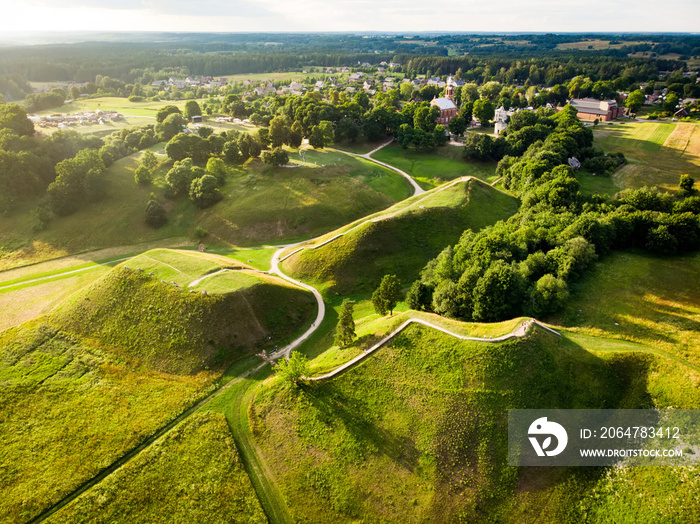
<point x="352" y="15"/>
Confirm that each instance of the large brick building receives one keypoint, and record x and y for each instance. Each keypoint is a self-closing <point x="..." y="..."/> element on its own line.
<point x="604" y="110"/>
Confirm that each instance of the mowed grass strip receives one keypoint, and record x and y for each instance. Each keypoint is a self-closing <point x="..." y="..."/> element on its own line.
<point x="23" y="303"/>
<point x="191" y="474"/>
<point x="657" y="153"/>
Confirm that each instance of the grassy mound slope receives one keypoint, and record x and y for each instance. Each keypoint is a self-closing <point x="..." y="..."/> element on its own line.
<point x="69" y="409"/>
<point x="192" y="474"/>
<point x="642" y="298"/>
<point x="418" y="433"/>
<point x="405" y="240"/>
<point x="169" y="329"/>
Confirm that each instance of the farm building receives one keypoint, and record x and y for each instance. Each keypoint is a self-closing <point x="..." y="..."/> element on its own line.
<point x="590" y="109"/>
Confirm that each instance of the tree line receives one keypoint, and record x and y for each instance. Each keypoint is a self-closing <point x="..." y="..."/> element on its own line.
<point x="526" y="264"/>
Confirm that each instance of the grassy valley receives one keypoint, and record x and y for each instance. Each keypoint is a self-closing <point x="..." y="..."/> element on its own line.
<point x="262" y="204"/>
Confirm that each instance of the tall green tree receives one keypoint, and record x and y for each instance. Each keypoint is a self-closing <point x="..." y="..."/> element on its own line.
<point x="192" y="109"/>
<point x="279" y="131"/>
<point x="205" y="192"/>
<point x="635" y="101"/>
<point x="345" y="332"/>
<point x="149" y="160"/>
<point x="387" y="295"/>
<point x="484" y="111"/>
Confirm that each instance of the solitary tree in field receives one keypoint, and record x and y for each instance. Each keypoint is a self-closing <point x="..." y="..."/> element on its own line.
<point x="155" y="212"/>
<point x="142" y="175"/>
<point x="345" y="332"/>
<point x="291" y="371"/>
<point x="387" y="295"/>
<point x="686" y="183"/>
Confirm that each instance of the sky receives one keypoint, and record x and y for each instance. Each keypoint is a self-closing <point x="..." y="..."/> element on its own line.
<point x="352" y="15"/>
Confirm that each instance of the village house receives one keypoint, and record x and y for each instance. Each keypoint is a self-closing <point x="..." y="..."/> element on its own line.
<point x="446" y="105"/>
<point x="590" y="109"/>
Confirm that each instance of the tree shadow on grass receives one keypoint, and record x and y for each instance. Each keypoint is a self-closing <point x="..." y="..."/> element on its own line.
<point x="335" y="407"/>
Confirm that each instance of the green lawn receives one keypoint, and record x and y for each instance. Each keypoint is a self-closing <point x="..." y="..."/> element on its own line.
<point x="433" y="169"/>
<point x="227" y="282"/>
<point x="640" y="298"/>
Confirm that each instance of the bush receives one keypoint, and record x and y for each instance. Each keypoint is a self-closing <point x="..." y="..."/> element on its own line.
<point x="204" y="191"/>
<point x="155" y="213"/>
<point x="142" y="175"/>
<point x="276" y="157"/>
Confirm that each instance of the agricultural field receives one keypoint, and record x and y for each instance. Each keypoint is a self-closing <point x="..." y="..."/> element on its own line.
<point x="596" y="44"/>
<point x="432" y="169"/>
<point x="657" y="154"/>
<point x="147" y="490"/>
<point x="262" y="204"/>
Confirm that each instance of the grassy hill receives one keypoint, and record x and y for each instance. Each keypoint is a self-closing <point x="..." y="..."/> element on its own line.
<point x="121" y="358"/>
<point x="262" y="204"/>
<point x="402" y="239"/>
<point x="210" y="485"/>
<point x="172" y="328"/>
<point x="417" y="433"/>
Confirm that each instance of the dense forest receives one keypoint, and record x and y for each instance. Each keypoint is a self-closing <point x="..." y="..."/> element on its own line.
<point x="217" y="54"/>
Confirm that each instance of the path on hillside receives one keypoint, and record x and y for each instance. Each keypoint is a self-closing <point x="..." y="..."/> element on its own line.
<point x="519" y="331"/>
<point x="376" y="219"/>
<point x="417" y="190"/>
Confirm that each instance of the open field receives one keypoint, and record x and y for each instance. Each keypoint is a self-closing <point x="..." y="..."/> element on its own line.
<point x="657" y="153"/>
<point x="432" y="169"/>
<point x="640" y="298"/>
<point x="596" y="44"/>
<point x="262" y="204"/>
<point x="210" y="484"/>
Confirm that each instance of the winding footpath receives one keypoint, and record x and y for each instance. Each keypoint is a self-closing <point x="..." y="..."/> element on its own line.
<point x="520" y="331"/>
<point x="417" y="190"/>
<point x="283" y="352"/>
